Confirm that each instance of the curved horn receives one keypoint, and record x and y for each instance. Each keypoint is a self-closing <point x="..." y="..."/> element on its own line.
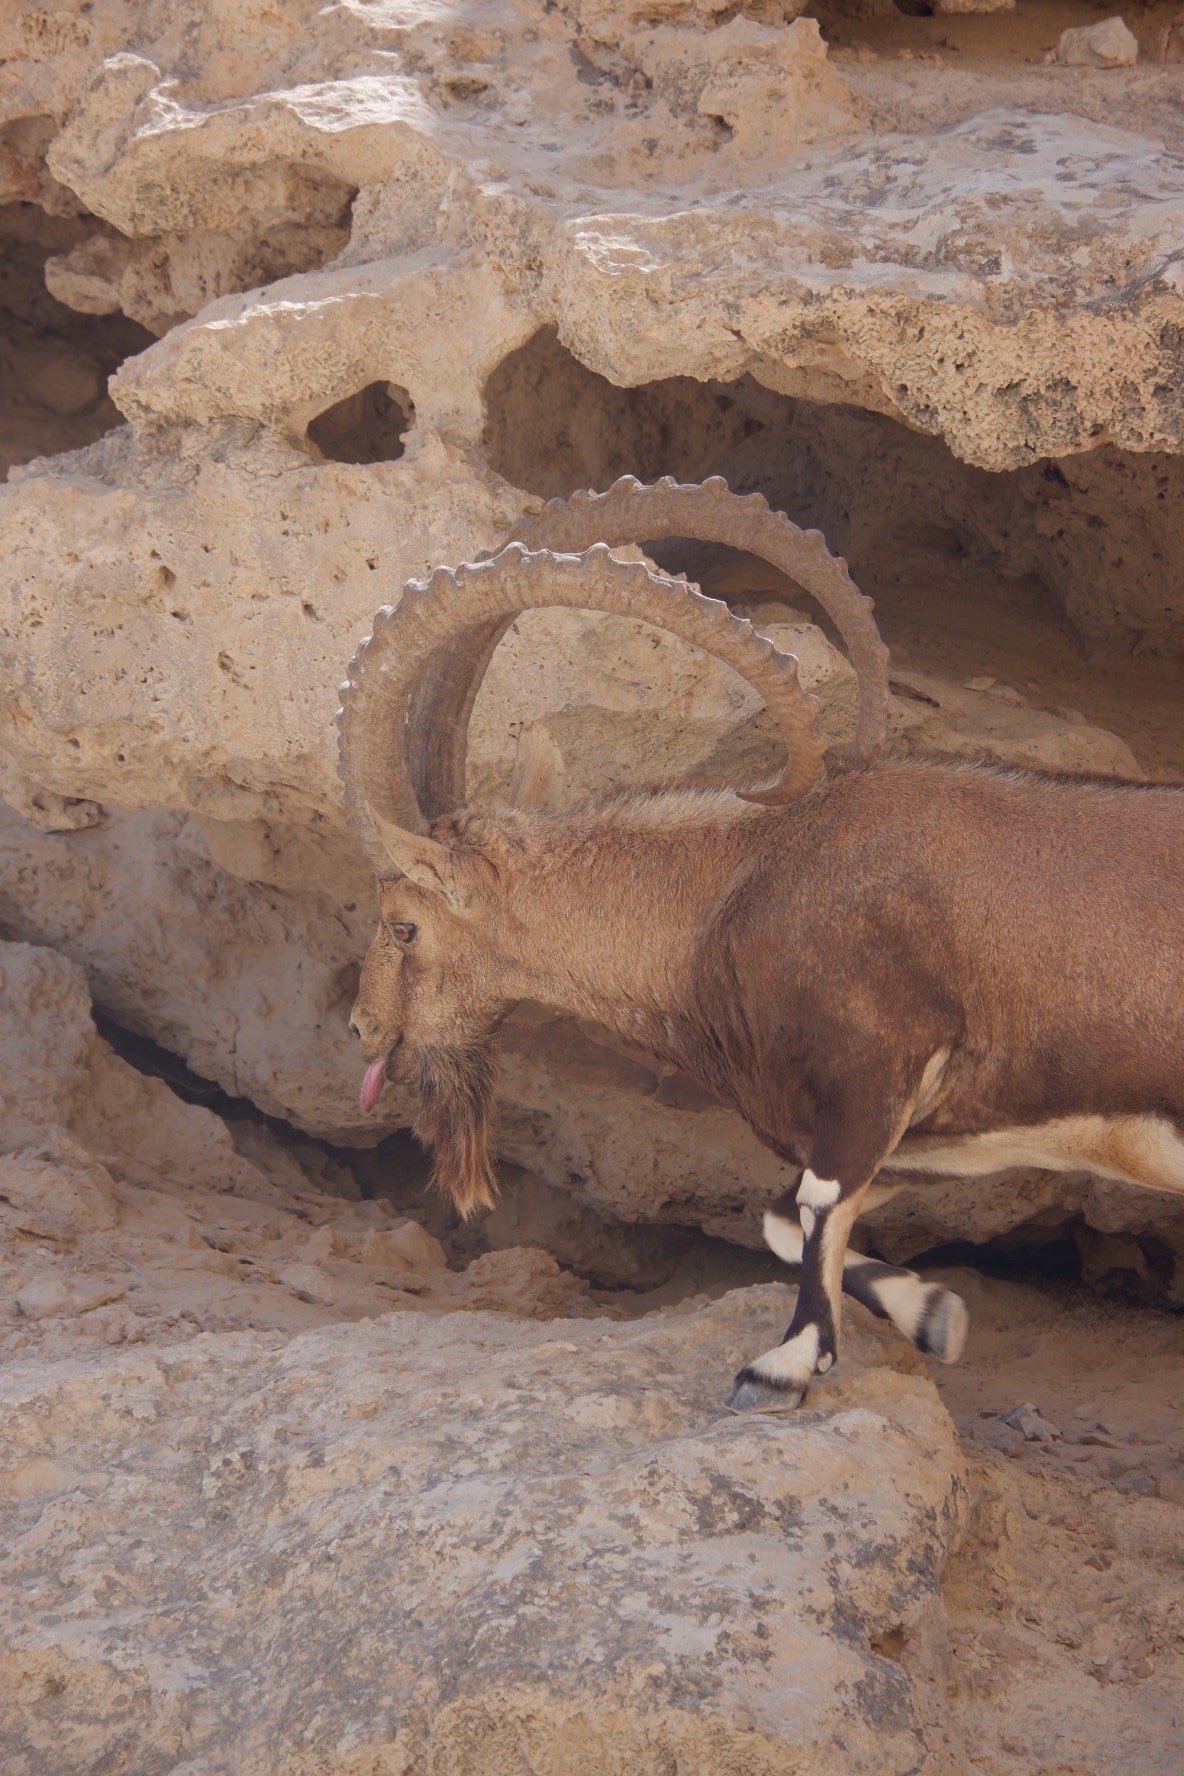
<point x="631" y="512"/>
<point x="412" y="684"/>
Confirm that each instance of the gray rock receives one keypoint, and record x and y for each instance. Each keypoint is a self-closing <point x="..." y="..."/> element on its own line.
<point x="462" y="1543"/>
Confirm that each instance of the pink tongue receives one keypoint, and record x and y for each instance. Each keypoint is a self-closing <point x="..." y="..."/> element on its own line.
<point x="373" y="1083"/>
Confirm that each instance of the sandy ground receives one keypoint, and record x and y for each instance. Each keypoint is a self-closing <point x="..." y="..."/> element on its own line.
<point x="1067" y="1600"/>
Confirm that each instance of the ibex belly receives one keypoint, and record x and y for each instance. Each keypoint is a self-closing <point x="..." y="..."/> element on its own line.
<point x="1145" y="1150"/>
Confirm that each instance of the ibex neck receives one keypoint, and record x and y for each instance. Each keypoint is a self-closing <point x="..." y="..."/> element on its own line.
<point x="615" y="900"/>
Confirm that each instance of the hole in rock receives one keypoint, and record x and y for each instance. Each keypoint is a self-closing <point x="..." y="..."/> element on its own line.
<point x="54" y="363"/>
<point x="890" y="1644"/>
<point x="367" y="427"/>
<point x="1053" y="580"/>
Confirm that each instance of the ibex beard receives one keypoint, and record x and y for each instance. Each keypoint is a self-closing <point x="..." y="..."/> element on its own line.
<point x="456" y="1087"/>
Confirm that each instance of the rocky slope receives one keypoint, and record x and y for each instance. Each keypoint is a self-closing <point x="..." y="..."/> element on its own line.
<point x="287" y="1484"/>
<point x="297" y="301"/>
<point x="463" y="1486"/>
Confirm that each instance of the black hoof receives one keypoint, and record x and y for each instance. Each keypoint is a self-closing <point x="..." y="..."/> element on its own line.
<point x="748" y="1393"/>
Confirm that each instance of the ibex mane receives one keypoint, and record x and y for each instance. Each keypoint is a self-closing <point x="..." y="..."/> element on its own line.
<point x="884" y="967"/>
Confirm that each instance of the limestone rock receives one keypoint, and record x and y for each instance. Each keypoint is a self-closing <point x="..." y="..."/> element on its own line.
<point x="539" y="1549"/>
<point x="52" y="1296"/>
<point x="165" y="937"/>
<point x="114" y="1190"/>
<point x="768" y="88"/>
<point x="405" y="1247"/>
<point x="47" y="1037"/>
<point x="58" y="1190"/>
<point x="1108" y="44"/>
<point x="70" y="1103"/>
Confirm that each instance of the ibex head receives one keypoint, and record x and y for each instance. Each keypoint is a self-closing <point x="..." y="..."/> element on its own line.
<point x="440" y="974"/>
<point x="439" y="978"/>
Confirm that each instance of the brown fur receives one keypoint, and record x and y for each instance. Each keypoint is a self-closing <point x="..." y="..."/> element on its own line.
<point x="455" y="1097"/>
<point x="806" y="963"/>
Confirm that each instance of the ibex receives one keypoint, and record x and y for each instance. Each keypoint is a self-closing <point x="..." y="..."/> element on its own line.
<point x="884" y="967"/>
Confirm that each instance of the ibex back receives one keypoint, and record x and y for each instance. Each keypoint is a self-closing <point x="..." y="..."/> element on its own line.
<point x="884" y="967"/>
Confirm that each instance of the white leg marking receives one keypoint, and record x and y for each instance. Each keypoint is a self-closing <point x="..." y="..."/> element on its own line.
<point x="903" y="1300"/>
<point x="794" y="1361"/>
<point x="824" y="1362"/>
<point x="818" y="1193"/>
<point x="930" y="1084"/>
<point x="783" y="1237"/>
<point x="807" y="1217"/>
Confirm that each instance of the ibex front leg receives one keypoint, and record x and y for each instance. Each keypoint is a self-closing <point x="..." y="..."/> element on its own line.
<point x="931" y="1316"/>
<point x="846" y="1152"/>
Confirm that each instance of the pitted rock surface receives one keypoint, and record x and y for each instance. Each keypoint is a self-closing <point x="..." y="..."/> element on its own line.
<point x="475" y="1546"/>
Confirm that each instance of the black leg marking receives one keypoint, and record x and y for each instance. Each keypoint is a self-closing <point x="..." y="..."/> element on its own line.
<point x="859" y="1118"/>
<point x="930" y="1316"/>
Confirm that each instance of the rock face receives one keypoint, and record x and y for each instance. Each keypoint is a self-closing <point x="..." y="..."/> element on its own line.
<point x="475" y="1545"/>
<point x="1110" y="44"/>
<point x="406" y="276"/>
<point x="297" y="301"/>
<point x="530" y="1535"/>
<point x="118" y="1195"/>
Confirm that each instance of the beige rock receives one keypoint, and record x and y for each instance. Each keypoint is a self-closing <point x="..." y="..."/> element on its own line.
<point x="768" y="88"/>
<point x="55" y="363"/>
<point x="311" y="1283"/>
<point x="57" y="1190"/>
<point x="522" y="1281"/>
<point x="1109" y="44"/>
<point x="932" y="716"/>
<point x="164" y="936"/>
<point x="405" y="1247"/>
<point x="47" y="1036"/>
<point x="216" y="585"/>
<point x="67" y="1101"/>
<point x="117" y="1188"/>
<point x="54" y="1296"/>
<point x="165" y="278"/>
<point x="546" y="1551"/>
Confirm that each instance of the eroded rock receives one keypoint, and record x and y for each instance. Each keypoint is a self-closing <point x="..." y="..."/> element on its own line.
<point x="545" y="1545"/>
<point x="1109" y="44"/>
<point x="114" y="1190"/>
<point x="411" y="277"/>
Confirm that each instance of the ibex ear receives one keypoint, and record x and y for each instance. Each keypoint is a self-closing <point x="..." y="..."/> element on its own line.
<point x="419" y="858"/>
<point x="538" y="768"/>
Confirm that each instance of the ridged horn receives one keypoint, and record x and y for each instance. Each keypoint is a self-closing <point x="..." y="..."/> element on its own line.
<point x="411" y="686"/>
<point x="631" y="512"/>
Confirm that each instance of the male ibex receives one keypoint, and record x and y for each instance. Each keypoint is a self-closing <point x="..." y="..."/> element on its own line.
<point x="884" y="967"/>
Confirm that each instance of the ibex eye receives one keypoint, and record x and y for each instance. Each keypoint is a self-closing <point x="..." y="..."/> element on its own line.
<point x="402" y="932"/>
